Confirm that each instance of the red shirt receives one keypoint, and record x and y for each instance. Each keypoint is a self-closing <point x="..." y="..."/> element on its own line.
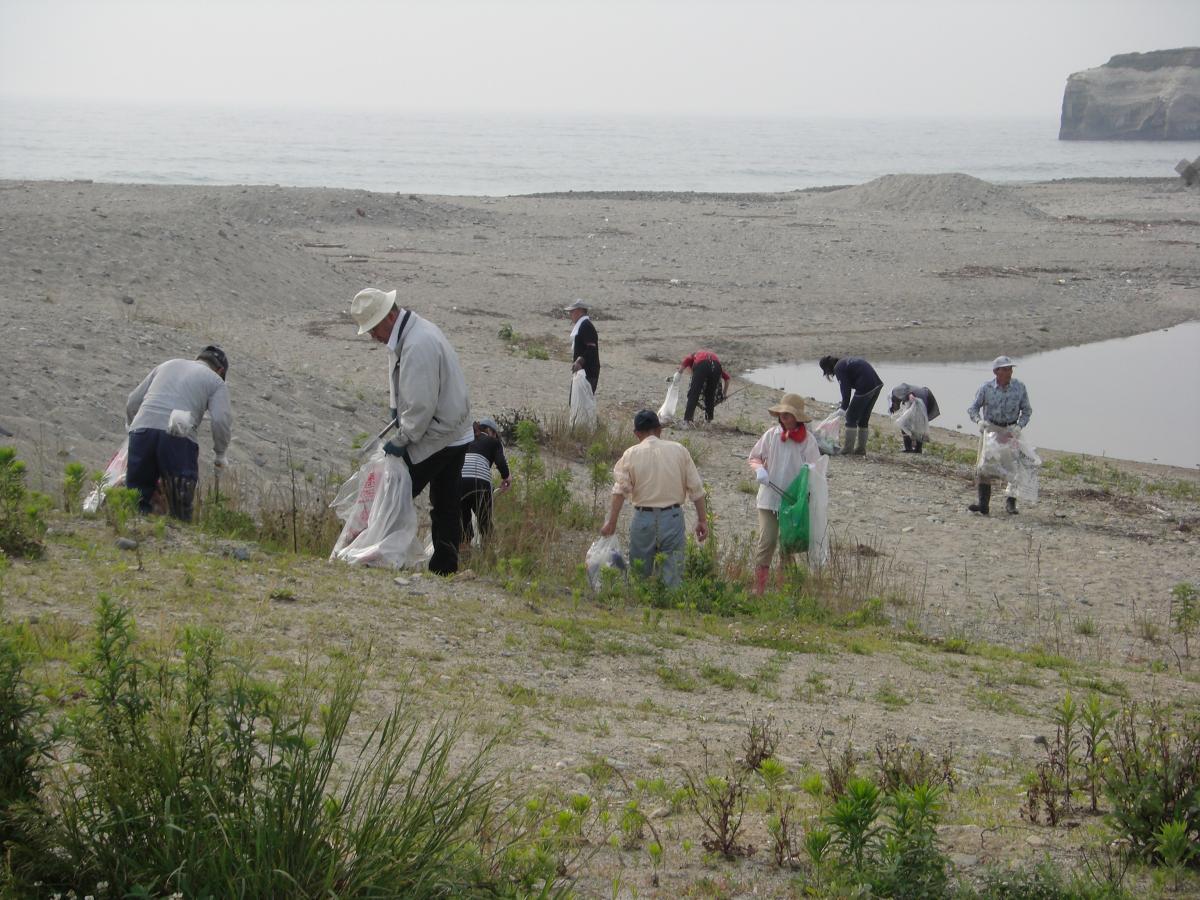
<point x="702" y="356"/>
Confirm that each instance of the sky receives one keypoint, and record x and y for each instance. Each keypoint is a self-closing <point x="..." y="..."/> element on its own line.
<point x="675" y="57"/>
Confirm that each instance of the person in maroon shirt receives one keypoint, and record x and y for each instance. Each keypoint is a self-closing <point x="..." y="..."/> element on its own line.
<point x="707" y="376"/>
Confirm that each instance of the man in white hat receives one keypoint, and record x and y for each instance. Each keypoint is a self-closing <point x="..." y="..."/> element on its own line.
<point x="1001" y="404"/>
<point x="585" y="344"/>
<point x="429" y="403"/>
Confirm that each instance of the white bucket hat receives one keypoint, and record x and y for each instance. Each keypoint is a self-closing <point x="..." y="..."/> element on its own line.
<point x="370" y="306"/>
<point x="578" y="304"/>
<point x="1002" y="362"/>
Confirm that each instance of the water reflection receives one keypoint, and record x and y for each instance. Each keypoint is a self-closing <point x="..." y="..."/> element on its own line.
<point x="1129" y="398"/>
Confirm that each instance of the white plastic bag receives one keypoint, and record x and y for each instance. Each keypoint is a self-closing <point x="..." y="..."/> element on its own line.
<point x="818" y="513"/>
<point x="605" y="553"/>
<point x="913" y="419"/>
<point x="181" y="423"/>
<point x="583" y="402"/>
<point x="114" y="476"/>
<point x="380" y="519"/>
<point x="1023" y="481"/>
<point x="670" y="408"/>
<point x="827" y="432"/>
<point x="1008" y="456"/>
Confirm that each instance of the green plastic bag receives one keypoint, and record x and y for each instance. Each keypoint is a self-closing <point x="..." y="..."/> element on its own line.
<point x="793" y="516"/>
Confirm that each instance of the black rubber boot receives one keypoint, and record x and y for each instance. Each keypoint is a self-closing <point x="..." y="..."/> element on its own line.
<point x="985" y="500"/>
<point x="1010" y="505"/>
<point x="916" y="446"/>
<point x="908" y="445"/>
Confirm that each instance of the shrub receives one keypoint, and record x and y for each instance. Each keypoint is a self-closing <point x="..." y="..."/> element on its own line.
<point x="1185" y="612"/>
<point x="186" y="774"/>
<point x="1153" y="775"/>
<point x="21" y="524"/>
<point x="120" y="506"/>
<point x="74" y="475"/>
<point x="23" y="740"/>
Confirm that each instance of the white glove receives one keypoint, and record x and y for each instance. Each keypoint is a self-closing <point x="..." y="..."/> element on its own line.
<point x="761" y="476"/>
<point x="1015" y="430"/>
<point x="219" y="461"/>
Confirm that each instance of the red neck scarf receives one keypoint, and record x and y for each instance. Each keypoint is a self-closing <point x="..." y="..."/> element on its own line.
<point x="797" y="434"/>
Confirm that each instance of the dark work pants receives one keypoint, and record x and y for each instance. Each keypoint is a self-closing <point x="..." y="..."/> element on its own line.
<point x="858" y="414"/>
<point x="155" y="455"/>
<point x="442" y="472"/>
<point x="476" y="498"/>
<point x="706" y="377"/>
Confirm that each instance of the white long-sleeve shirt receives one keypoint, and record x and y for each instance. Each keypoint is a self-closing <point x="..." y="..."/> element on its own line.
<point x="783" y="461"/>
<point x="186" y="384"/>
<point x="427" y="389"/>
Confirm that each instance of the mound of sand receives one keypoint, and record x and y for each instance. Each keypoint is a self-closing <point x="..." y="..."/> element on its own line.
<point x="946" y="194"/>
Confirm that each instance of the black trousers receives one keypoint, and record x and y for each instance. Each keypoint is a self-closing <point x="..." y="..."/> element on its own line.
<point x="706" y="377"/>
<point x="442" y="472"/>
<point x="154" y="457"/>
<point x="476" y="498"/>
<point x="858" y="415"/>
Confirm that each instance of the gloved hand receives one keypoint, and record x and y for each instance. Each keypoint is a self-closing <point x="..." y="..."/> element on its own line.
<point x="394" y="413"/>
<point x="395" y="448"/>
<point x="1015" y="430"/>
<point x="670" y="378"/>
<point x="219" y="461"/>
<point x="761" y="476"/>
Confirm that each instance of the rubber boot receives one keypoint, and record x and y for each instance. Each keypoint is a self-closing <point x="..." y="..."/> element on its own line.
<point x="917" y="446"/>
<point x="1010" y="505"/>
<point x="761" y="574"/>
<point x="860" y="449"/>
<point x="985" y="500"/>
<point x="908" y="445"/>
<point x="851" y="439"/>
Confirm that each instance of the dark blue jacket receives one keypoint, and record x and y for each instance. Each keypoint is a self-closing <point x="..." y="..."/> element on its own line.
<point x="855" y="373"/>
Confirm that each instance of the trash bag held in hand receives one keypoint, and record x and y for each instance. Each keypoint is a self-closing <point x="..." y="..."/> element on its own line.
<point x="827" y="431"/>
<point x="1023" y="480"/>
<point x="670" y="408"/>
<point x="583" y="402"/>
<point x="605" y="553"/>
<point x="793" y="515"/>
<point x="998" y="452"/>
<point x="913" y="419"/>
<point x="114" y="476"/>
<point x="818" y="513"/>
<point x="381" y="521"/>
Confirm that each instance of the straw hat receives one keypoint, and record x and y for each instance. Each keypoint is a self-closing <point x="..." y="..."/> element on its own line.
<point x="794" y="404"/>
<point x="370" y="306"/>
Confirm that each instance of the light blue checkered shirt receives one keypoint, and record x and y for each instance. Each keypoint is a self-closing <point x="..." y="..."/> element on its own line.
<point x="1001" y="405"/>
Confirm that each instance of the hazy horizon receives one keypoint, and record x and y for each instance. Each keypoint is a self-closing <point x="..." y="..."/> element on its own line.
<point x="759" y="58"/>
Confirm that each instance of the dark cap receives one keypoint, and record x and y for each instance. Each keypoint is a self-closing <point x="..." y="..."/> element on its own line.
<point x="646" y="420"/>
<point x="216" y="356"/>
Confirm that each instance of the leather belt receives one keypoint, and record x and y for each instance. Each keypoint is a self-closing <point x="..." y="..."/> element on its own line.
<point x="656" y="508"/>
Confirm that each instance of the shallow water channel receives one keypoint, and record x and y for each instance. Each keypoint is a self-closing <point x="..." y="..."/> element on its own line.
<point x="1128" y="398"/>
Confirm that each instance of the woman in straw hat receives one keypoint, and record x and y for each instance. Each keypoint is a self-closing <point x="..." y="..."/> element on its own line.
<point x="776" y="461"/>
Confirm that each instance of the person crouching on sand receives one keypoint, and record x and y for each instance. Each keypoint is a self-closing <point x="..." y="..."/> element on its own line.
<point x="776" y="460"/>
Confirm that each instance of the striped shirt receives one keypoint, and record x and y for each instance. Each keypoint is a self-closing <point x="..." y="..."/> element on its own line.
<point x="482" y="453"/>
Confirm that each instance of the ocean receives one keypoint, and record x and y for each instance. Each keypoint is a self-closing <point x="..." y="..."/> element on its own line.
<point x="491" y="154"/>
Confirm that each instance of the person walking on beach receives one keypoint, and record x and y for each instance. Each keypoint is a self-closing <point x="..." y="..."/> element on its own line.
<point x="657" y="477"/>
<point x="162" y="416"/>
<point x="854" y="374"/>
<point x="483" y="452"/>
<point x="776" y="459"/>
<point x="431" y="409"/>
<point x="707" y="377"/>
<point x="1001" y="406"/>
<point x="585" y="344"/>
<point x="903" y="392"/>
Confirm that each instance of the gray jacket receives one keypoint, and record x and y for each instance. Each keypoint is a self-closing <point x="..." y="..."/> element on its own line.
<point x="186" y="384"/>
<point x="428" y="390"/>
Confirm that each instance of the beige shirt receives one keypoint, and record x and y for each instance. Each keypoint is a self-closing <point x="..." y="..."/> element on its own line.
<point x="657" y="473"/>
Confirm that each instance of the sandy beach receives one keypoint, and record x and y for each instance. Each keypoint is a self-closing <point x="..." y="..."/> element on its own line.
<point x="100" y="282"/>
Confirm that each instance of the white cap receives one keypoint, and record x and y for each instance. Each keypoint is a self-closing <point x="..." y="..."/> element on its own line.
<point x="370" y="306"/>
<point x="578" y="304"/>
<point x="1002" y="362"/>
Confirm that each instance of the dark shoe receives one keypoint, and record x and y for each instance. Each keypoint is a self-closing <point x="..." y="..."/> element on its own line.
<point x="916" y="446"/>
<point x="1010" y="506"/>
<point x="985" y="500"/>
<point x="908" y="445"/>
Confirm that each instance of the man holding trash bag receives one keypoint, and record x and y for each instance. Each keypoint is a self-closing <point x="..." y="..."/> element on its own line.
<point x="658" y="477"/>
<point x="707" y="377"/>
<point x="162" y="416"/>
<point x="904" y="392"/>
<point x="431" y="409"/>
<point x="585" y="344"/>
<point x="1003" y="406"/>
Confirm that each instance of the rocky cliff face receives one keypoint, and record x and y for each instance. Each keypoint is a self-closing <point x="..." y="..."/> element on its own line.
<point x="1135" y="96"/>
